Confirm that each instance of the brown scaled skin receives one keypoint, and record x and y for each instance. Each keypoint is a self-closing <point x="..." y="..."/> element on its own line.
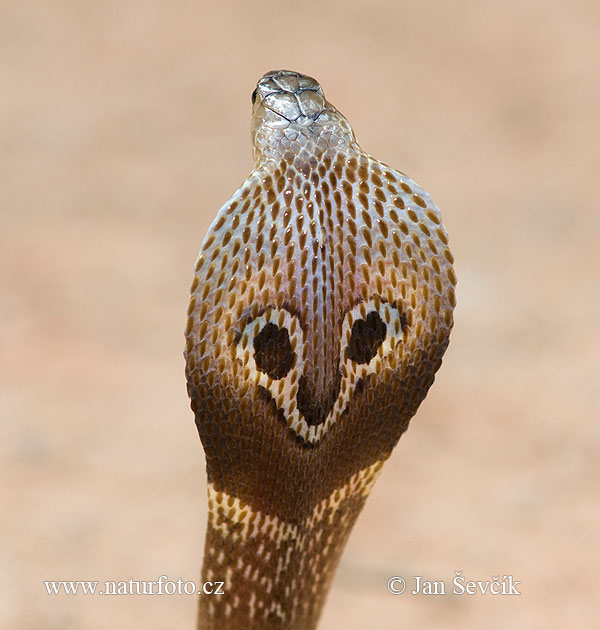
<point x="320" y="310"/>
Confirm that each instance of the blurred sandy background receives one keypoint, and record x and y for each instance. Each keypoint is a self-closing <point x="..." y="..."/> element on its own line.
<point x="124" y="126"/>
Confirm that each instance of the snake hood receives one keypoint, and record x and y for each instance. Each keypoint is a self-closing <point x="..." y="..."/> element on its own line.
<point x="320" y="309"/>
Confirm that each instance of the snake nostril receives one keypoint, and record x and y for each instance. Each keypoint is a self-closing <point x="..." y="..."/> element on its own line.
<point x="273" y="352"/>
<point x="366" y="337"/>
<point x="253" y="97"/>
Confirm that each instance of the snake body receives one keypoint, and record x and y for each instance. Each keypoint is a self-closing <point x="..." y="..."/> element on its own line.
<point x="320" y="309"/>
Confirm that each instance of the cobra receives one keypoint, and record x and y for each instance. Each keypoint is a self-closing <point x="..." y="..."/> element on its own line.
<point x="320" y="309"/>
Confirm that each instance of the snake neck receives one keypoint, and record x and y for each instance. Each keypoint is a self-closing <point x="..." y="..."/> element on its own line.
<point x="305" y="148"/>
<point x="276" y="573"/>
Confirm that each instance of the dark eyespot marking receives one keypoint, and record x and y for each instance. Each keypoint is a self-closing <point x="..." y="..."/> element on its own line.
<point x="273" y="351"/>
<point x="253" y="97"/>
<point x="366" y="337"/>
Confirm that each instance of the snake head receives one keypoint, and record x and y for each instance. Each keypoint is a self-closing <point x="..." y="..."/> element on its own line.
<point x="291" y="117"/>
<point x="283" y="97"/>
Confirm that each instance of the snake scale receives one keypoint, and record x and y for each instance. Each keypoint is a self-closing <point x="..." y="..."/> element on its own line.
<point x="320" y="309"/>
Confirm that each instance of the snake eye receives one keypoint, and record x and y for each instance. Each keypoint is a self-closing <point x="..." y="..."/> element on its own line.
<point x="366" y="337"/>
<point x="273" y="352"/>
<point x="253" y="97"/>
